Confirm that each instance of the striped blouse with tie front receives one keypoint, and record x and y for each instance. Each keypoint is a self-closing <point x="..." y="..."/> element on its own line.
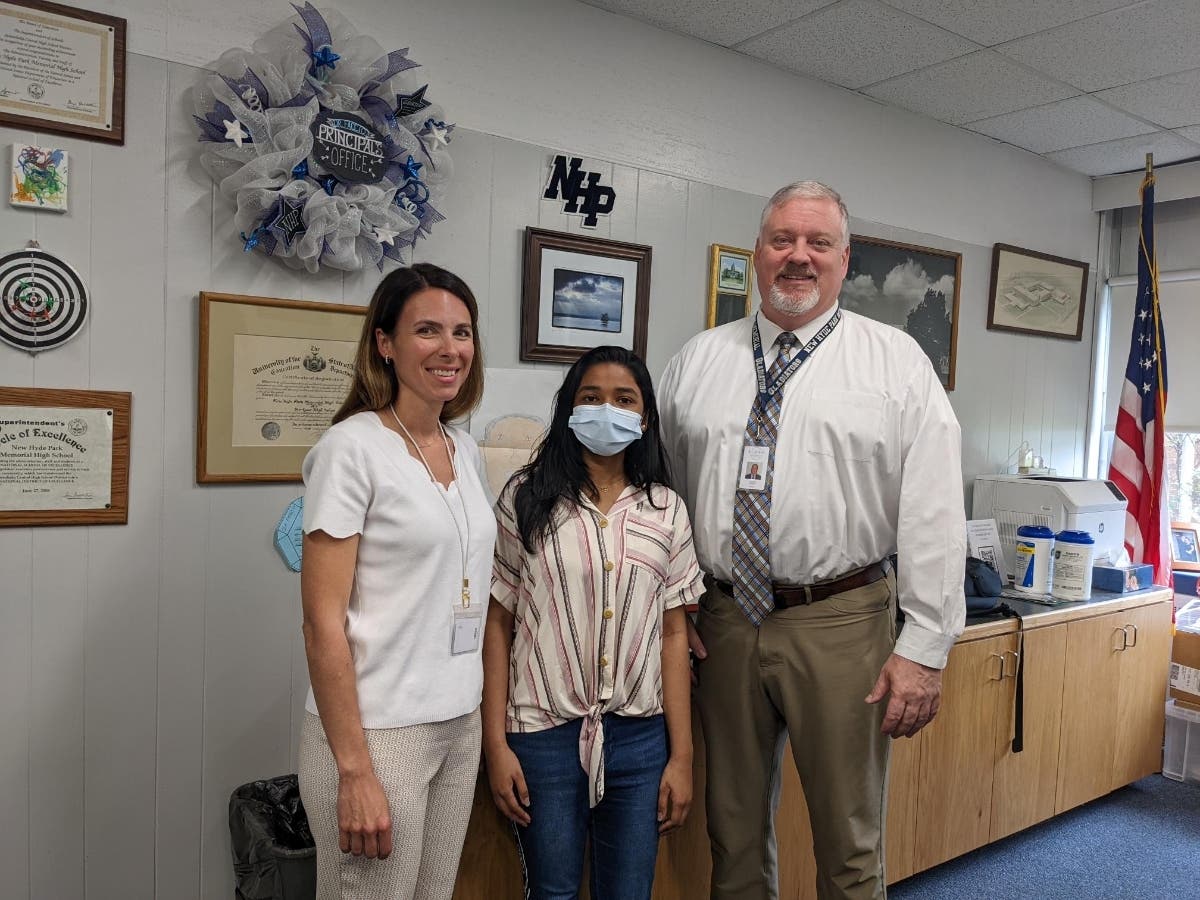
<point x="588" y="607"/>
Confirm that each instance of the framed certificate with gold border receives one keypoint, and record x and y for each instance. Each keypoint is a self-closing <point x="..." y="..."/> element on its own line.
<point x="272" y="374"/>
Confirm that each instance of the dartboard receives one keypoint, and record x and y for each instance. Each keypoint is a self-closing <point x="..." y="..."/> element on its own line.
<point x="43" y="303"/>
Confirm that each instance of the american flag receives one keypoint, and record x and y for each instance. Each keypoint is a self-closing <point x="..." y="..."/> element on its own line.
<point x="1137" y="455"/>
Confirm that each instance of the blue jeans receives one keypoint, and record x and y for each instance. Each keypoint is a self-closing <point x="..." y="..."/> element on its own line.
<point x="624" y="825"/>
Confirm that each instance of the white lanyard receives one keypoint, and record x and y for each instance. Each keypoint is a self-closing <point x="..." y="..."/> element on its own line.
<point x="463" y="542"/>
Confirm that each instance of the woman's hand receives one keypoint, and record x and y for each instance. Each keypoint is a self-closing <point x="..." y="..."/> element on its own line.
<point x="508" y="784"/>
<point x="674" y="795"/>
<point x="364" y="821"/>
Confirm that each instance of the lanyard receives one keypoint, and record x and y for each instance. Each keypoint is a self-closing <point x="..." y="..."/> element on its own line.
<point x="463" y="543"/>
<point x="760" y="370"/>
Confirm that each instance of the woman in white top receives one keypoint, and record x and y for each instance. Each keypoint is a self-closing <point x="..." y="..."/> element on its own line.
<point x="398" y="546"/>
<point x="587" y="721"/>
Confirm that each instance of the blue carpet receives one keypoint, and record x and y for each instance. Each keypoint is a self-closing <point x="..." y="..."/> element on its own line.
<point x="1139" y="843"/>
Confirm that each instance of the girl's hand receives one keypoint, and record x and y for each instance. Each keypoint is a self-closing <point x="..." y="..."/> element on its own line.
<point x="508" y="784"/>
<point x="674" y="795"/>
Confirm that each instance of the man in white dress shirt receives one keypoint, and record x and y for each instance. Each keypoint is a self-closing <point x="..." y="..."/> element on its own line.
<point x="797" y="631"/>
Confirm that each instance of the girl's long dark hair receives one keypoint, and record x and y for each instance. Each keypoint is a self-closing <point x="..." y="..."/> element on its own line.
<point x="557" y="473"/>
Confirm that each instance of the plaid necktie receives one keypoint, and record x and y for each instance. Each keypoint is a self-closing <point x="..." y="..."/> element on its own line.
<point x="752" y="509"/>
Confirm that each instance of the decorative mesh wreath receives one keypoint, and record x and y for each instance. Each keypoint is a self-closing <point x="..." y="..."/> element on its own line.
<point x="327" y="144"/>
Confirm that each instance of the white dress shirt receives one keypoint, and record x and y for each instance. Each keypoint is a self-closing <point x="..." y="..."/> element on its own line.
<point x="867" y="463"/>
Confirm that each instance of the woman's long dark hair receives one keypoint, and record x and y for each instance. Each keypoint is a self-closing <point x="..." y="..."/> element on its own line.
<point x="558" y="473"/>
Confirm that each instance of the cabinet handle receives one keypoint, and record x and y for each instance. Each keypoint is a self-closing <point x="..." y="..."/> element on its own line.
<point x="1124" y="638"/>
<point x="1016" y="662"/>
<point x="1129" y="643"/>
<point x="999" y="677"/>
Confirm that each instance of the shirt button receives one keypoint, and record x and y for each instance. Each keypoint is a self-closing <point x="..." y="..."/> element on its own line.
<point x="604" y="523"/>
<point x="608" y="614"/>
<point x="608" y="565"/>
<point x="603" y="661"/>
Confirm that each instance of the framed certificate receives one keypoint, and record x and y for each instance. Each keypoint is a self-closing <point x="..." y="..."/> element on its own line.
<point x="62" y="69"/>
<point x="272" y="374"/>
<point x="64" y="457"/>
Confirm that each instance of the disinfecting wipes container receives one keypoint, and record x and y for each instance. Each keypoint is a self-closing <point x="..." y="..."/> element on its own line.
<point x="1073" y="565"/>
<point x="1034" y="559"/>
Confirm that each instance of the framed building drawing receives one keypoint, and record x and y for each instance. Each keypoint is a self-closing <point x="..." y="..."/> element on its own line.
<point x="730" y="284"/>
<point x="272" y="374"/>
<point x="582" y="292"/>
<point x="1036" y="293"/>
<point x="911" y="287"/>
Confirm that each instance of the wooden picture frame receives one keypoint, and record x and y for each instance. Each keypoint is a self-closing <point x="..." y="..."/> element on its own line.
<point x="1185" y="547"/>
<point x="1036" y="293"/>
<point x="920" y="297"/>
<point x="67" y="436"/>
<point x="93" y="105"/>
<point x="272" y="373"/>
<point x="730" y="284"/>
<point x="580" y="292"/>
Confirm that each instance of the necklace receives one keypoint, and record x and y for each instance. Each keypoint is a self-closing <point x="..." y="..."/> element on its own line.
<point x="463" y="542"/>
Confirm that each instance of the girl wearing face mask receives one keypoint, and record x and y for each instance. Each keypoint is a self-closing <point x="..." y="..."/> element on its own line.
<point x="586" y="700"/>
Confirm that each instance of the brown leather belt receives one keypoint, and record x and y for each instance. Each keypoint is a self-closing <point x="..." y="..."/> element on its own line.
<point x="789" y="595"/>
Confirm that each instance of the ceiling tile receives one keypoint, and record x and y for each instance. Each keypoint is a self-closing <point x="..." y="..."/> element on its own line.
<point x="997" y="22"/>
<point x="716" y="21"/>
<point x="1128" y="155"/>
<point x="1171" y="101"/>
<point x="972" y="87"/>
<point x="1120" y="47"/>
<point x="856" y="43"/>
<point x="1056" y="126"/>
<point x="1191" y="133"/>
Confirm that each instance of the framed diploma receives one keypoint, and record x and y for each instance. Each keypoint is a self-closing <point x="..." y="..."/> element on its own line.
<point x="62" y="69"/>
<point x="272" y="374"/>
<point x="64" y="457"/>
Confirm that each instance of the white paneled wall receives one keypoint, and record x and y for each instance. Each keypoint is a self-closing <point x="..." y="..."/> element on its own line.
<point x="148" y="669"/>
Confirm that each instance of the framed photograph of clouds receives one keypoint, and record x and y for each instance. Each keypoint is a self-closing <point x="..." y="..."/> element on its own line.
<point x="913" y="288"/>
<point x="730" y="274"/>
<point x="1036" y="293"/>
<point x="582" y="292"/>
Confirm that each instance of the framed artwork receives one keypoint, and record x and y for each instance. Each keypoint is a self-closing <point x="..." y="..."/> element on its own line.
<point x="64" y="457"/>
<point x="1185" y="547"/>
<point x="64" y="70"/>
<point x="39" y="177"/>
<point x="272" y="374"/>
<point x="582" y="292"/>
<point x="913" y="288"/>
<point x="1036" y="293"/>
<point x="730" y="280"/>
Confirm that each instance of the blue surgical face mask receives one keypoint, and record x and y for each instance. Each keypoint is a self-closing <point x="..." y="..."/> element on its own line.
<point x="605" y="430"/>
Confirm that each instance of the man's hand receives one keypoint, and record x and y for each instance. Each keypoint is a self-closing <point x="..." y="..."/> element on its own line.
<point x="695" y="646"/>
<point x="916" y="694"/>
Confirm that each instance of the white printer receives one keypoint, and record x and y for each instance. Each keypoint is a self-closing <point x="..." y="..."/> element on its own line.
<point x="1059" y="502"/>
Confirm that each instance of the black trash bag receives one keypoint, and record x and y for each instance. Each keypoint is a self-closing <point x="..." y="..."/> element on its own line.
<point x="274" y="857"/>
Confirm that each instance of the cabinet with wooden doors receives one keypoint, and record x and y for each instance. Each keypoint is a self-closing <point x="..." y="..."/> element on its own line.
<point x="957" y="759"/>
<point x="1113" y="702"/>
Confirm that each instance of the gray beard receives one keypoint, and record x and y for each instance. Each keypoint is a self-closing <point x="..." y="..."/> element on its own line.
<point x="794" y="305"/>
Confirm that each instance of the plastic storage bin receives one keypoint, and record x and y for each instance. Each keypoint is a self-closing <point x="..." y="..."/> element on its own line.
<point x="1181" y="749"/>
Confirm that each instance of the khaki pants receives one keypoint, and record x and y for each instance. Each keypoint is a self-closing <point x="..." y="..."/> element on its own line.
<point x="804" y="672"/>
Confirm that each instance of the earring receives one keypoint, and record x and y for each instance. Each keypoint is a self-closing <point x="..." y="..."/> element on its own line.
<point x="387" y="360"/>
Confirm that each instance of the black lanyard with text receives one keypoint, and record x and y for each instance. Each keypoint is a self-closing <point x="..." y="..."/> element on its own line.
<point x="760" y="370"/>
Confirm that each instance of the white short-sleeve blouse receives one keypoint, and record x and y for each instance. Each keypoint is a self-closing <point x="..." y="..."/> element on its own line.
<point x="361" y="479"/>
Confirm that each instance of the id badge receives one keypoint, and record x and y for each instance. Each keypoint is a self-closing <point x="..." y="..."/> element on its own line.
<point x="464" y="635"/>
<point x="753" y="471"/>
